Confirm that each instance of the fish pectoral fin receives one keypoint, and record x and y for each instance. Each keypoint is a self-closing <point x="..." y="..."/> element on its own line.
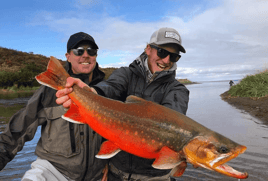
<point x="107" y="150"/>
<point x="179" y="169"/>
<point x="73" y="115"/>
<point x="167" y="159"/>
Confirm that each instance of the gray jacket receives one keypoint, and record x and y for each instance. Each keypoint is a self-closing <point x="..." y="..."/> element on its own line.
<point x="71" y="148"/>
<point x="164" y="90"/>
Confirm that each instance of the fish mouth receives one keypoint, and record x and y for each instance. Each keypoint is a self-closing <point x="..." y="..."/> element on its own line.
<point x="229" y="171"/>
<point x="219" y="164"/>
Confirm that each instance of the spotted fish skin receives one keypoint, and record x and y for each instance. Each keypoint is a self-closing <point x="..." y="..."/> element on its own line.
<point x="146" y="129"/>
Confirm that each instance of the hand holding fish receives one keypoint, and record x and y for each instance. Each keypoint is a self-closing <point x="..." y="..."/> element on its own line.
<point x="62" y="94"/>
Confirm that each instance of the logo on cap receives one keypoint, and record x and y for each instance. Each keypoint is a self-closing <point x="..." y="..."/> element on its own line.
<point x="173" y="35"/>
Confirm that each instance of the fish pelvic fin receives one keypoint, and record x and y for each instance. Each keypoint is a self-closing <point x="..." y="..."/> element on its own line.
<point x="107" y="150"/>
<point x="179" y="169"/>
<point x="167" y="159"/>
<point x="55" y="76"/>
<point x="73" y="115"/>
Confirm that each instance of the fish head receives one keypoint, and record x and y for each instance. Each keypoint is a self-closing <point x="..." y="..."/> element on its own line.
<point x="213" y="152"/>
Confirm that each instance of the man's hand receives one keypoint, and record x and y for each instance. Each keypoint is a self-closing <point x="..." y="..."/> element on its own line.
<point x="62" y="95"/>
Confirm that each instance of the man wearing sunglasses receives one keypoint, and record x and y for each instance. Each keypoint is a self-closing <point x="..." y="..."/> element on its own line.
<point x="65" y="151"/>
<point x="151" y="76"/>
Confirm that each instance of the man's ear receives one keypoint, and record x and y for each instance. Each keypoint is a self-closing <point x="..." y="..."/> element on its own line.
<point x="67" y="55"/>
<point x="148" y="49"/>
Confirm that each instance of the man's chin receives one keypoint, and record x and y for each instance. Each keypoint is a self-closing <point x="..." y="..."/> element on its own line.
<point x="86" y="70"/>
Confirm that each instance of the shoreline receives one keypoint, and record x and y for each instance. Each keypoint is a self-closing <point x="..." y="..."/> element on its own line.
<point x="191" y="83"/>
<point x="6" y="91"/>
<point x="256" y="107"/>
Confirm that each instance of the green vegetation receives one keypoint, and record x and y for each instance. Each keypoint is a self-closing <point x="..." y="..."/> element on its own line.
<point x="23" y="77"/>
<point x="251" y="86"/>
<point x="15" y="88"/>
<point x="7" y="112"/>
<point x="18" y="69"/>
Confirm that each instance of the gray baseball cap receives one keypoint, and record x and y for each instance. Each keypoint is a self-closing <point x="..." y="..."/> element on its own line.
<point x="167" y="35"/>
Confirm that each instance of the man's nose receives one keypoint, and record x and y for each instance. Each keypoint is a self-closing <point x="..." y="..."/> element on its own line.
<point x="166" y="59"/>
<point x="85" y="54"/>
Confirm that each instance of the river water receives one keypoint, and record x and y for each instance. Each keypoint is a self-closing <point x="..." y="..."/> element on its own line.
<point x="207" y="108"/>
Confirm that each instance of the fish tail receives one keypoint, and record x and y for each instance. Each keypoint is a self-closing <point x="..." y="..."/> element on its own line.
<point x="55" y="76"/>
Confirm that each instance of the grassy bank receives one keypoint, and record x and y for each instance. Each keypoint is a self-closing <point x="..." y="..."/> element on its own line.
<point x="15" y="92"/>
<point x="250" y="95"/>
<point x="186" y="81"/>
<point x="254" y="86"/>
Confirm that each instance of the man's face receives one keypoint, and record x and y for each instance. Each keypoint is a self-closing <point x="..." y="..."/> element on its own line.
<point x="83" y="64"/>
<point x="156" y="63"/>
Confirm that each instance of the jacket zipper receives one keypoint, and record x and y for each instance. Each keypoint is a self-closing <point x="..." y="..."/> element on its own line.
<point x="87" y="151"/>
<point x="71" y="127"/>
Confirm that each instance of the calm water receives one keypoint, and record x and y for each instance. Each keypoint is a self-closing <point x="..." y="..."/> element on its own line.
<point x="207" y="108"/>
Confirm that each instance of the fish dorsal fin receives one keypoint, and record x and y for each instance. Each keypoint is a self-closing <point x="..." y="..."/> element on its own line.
<point x="134" y="99"/>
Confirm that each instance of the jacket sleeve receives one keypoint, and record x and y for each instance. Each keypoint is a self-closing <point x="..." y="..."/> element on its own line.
<point x="177" y="98"/>
<point x="21" y="128"/>
<point x="115" y="87"/>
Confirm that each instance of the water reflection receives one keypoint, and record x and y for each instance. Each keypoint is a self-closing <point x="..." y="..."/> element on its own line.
<point x="207" y="108"/>
<point x="22" y="100"/>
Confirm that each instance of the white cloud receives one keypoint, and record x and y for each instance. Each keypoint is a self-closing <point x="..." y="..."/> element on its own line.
<point x="230" y="39"/>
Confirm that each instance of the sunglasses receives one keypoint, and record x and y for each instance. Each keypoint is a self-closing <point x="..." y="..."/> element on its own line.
<point x="162" y="53"/>
<point x="80" y="51"/>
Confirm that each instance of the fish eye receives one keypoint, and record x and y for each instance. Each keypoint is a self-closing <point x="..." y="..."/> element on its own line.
<point x="223" y="149"/>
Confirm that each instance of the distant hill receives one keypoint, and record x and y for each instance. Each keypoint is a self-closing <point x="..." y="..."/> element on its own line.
<point x="13" y="61"/>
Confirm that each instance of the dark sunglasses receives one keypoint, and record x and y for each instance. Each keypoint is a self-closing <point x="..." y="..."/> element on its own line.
<point x="162" y="53"/>
<point x="80" y="51"/>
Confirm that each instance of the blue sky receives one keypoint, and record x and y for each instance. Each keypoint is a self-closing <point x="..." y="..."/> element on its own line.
<point x="224" y="39"/>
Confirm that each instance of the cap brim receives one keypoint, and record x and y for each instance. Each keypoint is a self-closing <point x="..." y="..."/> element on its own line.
<point x="95" y="46"/>
<point x="181" y="48"/>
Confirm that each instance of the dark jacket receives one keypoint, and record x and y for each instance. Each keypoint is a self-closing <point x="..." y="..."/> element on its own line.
<point x="71" y="148"/>
<point x="164" y="90"/>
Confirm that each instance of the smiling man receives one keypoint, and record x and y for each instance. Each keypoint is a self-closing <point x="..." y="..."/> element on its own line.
<point x="65" y="151"/>
<point x="151" y="76"/>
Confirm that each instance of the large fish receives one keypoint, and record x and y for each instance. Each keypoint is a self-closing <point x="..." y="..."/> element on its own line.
<point x="146" y="129"/>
